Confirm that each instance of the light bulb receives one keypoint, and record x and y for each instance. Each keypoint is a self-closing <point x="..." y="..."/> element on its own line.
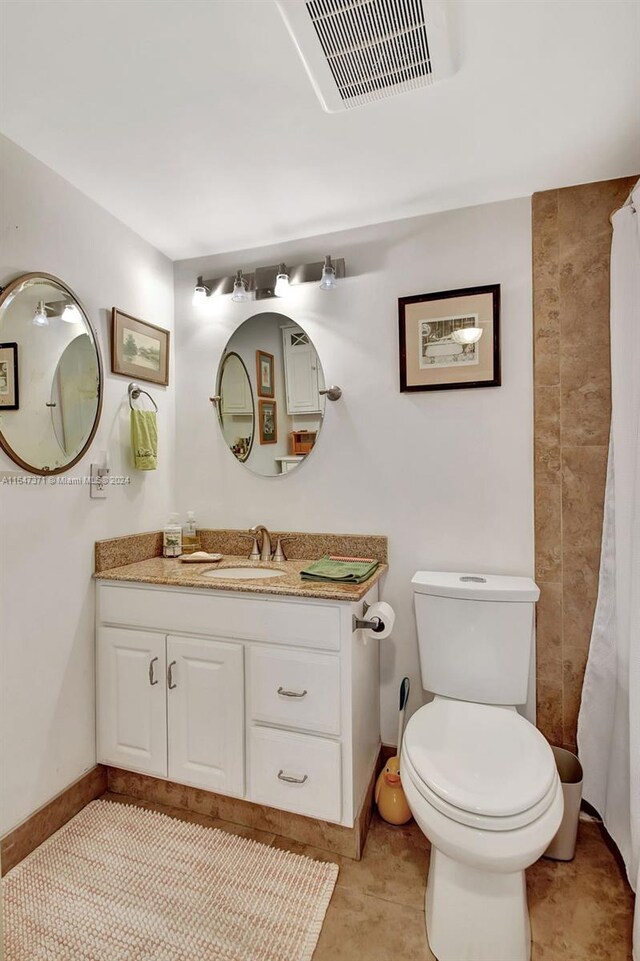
<point x="71" y="314"/>
<point x="240" y="293"/>
<point x="40" y="318"/>
<point x="282" y="282"/>
<point x="467" y="335"/>
<point x="199" y="293"/>
<point x="328" y="281"/>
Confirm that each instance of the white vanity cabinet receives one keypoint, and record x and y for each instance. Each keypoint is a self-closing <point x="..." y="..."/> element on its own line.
<point x="270" y="698"/>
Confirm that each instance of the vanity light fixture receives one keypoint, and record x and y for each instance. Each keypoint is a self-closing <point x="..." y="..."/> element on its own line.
<point x="328" y="281"/>
<point x="200" y="293"/>
<point x="240" y="289"/>
<point x="282" y="281"/>
<point x="40" y="318"/>
<point x="71" y="314"/>
<point x="270" y="281"/>
<point x="467" y="335"/>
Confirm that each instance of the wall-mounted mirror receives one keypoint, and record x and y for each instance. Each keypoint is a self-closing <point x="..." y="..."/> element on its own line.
<point x="270" y="408"/>
<point x="50" y="375"/>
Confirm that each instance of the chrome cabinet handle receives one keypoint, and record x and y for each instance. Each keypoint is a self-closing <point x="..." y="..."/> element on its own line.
<point x="152" y="681"/>
<point x="284" y="693"/>
<point x="170" y="676"/>
<point x="292" y="780"/>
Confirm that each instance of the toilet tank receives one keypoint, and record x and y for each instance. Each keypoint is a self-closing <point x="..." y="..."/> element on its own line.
<point x="475" y="633"/>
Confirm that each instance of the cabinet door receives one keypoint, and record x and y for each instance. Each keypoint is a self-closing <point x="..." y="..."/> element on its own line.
<point x="206" y="714"/>
<point x="301" y="372"/>
<point x="132" y="700"/>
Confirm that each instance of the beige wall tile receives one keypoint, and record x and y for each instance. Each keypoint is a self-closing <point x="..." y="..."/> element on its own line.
<point x="574" y="663"/>
<point x="547" y="435"/>
<point x="549" y="632"/>
<point x="583" y="481"/>
<point x="580" y="589"/>
<point x="549" y="707"/>
<point x="548" y="532"/>
<point x="585" y="395"/>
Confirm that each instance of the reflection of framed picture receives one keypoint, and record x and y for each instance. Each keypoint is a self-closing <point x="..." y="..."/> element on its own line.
<point x="264" y="374"/>
<point x="267" y="415"/>
<point x="139" y="349"/>
<point x="450" y="339"/>
<point x="9" y="395"/>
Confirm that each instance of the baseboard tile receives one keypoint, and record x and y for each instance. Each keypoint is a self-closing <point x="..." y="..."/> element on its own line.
<point x="25" y="838"/>
<point x="347" y="842"/>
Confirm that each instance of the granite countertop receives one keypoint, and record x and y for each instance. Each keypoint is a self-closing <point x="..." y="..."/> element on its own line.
<point x="171" y="572"/>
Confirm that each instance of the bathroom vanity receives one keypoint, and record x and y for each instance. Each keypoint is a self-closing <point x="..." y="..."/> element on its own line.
<point x="261" y="690"/>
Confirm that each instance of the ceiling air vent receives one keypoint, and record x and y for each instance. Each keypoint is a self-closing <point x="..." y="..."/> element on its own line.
<point x="358" y="51"/>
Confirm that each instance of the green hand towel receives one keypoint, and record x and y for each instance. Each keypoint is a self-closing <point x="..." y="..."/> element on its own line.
<point x="341" y="572"/>
<point x="144" y="439"/>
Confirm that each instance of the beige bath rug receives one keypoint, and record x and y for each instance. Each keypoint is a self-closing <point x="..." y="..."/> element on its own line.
<point x="118" y="883"/>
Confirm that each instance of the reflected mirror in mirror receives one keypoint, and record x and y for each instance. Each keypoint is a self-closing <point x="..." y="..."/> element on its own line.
<point x="269" y="404"/>
<point x="59" y="375"/>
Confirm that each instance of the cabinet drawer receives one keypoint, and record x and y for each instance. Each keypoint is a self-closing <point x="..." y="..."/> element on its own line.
<point x="312" y="765"/>
<point x="301" y="624"/>
<point x="295" y="688"/>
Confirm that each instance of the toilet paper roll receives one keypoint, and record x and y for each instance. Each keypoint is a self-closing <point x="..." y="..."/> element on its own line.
<point x="386" y="615"/>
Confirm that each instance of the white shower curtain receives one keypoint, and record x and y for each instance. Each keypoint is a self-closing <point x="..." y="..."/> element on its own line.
<point x="609" y="722"/>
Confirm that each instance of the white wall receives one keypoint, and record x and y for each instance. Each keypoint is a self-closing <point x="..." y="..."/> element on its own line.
<point x="446" y="475"/>
<point x="47" y="533"/>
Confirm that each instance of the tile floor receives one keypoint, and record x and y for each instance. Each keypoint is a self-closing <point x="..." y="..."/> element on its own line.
<point x="580" y="911"/>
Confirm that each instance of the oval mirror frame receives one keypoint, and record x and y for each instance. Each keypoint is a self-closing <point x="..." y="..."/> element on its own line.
<point x="6" y="293"/>
<point x="287" y="387"/>
<point x="223" y="361"/>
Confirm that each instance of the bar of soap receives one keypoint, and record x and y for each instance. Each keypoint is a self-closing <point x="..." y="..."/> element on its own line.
<point x="200" y="557"/>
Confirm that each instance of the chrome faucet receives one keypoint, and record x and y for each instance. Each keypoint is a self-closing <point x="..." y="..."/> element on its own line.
<point x="265" y="552"/>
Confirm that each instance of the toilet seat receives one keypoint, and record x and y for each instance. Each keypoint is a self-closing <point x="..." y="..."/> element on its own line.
<point x="481" y="765"/>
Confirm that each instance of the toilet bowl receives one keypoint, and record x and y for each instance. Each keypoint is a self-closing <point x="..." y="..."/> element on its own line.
<point x="482" y="784"/>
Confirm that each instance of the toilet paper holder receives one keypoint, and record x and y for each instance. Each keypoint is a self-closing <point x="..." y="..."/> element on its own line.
<point x="376" y="624"/>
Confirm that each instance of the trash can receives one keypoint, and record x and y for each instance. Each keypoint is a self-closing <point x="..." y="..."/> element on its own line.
<point x="563" y="846"/>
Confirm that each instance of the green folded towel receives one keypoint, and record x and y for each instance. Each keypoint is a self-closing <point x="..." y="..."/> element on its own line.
<point x="342" y="572"/>
<point x="144" y="439"/>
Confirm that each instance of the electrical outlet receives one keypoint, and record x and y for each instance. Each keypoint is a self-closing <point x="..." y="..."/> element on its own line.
<point x="99" y="481"/>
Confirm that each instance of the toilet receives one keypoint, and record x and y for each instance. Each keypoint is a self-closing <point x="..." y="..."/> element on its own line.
<point x="480" y="779"/>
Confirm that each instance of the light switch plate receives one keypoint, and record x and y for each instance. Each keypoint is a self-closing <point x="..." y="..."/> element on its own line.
<point x="99" y="481"/>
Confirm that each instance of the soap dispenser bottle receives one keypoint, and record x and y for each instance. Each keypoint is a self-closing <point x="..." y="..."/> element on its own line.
<point x="190" y="539"/>
<point x="172" y="538"/>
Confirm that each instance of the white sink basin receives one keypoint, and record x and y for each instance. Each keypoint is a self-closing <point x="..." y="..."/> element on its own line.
<point x="243" y="573"/>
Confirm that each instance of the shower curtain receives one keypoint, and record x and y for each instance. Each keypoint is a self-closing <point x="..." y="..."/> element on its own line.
<point x="609" y="721"/>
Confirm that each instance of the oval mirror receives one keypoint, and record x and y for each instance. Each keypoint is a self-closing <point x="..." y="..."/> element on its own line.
<point x="270" y="408"/>
<point x="50" y="375"/>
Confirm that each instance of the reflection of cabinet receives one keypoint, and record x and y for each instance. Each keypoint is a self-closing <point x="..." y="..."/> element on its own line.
<point x="235" y="388"/>
<point x="303" y="375"/>
<point x="172" y="706"/>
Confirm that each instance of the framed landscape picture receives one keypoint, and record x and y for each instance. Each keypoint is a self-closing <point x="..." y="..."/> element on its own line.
<point x="264" y="374"/>
<point x="268" y="420"/>
<point x="9" y="397"/>
<point x="139" y="349"/>
<point x="450" y="339"/>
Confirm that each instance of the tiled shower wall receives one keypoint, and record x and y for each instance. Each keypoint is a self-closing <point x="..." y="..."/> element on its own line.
<point x="571" y="252"/>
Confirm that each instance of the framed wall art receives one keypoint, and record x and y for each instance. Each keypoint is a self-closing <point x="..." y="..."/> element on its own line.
<point x="9" y="394"/>
<point x="450" y="339"/>
<point x="264" y="374"/>
<point x="268" y="419"/>
<point x="139" y="349"/>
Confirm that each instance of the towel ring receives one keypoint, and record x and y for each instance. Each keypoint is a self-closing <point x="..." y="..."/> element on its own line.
<point x="134" y="392"/>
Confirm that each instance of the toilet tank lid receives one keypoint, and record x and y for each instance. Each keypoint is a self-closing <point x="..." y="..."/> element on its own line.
<point x="475" y="587"/>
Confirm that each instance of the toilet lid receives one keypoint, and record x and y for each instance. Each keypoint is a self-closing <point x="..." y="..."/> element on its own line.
<point x="479" y="757"/>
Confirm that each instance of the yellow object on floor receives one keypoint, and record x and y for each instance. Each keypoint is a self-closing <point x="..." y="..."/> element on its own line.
<point x="144" y="439"/>
<point x="389" y="795"/>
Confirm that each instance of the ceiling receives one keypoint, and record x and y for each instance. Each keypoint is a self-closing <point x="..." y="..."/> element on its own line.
<point x="194" y="122"/>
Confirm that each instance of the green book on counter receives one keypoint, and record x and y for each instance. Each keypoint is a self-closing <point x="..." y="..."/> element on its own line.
<point x="340" y="572"/>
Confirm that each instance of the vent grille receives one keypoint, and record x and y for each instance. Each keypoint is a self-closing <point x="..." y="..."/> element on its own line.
<point x="374" y="48"/>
